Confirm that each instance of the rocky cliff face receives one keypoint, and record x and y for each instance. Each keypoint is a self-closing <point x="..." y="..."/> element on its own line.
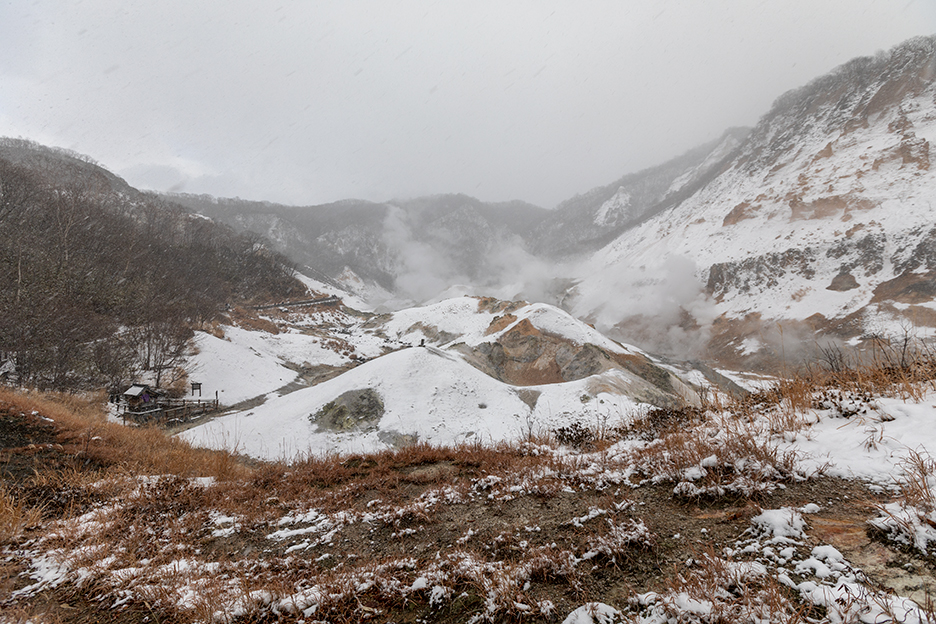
<point x="823" y="212"/>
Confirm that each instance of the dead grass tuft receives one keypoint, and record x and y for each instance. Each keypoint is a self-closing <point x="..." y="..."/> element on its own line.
<point x="910" y="519"/>
<point x="725" y="457"/>
<point x="15" y="516"/>
<point x="710" y="589"/>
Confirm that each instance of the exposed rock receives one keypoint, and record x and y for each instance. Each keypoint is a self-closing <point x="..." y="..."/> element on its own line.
<point x="397" y="439"/>
<point x="843" y="282"/>
<point x="908" y="288"/>
<point x="355" y="410"/>
<point x="499" y="323"/>
<point x="759" y="273"/>
<point x="919" y="254"/>
<point x="433" y="333"/>
<point x="866" y="252"/>
<point x="742" y="211"/>
<point x="528" y="396"/>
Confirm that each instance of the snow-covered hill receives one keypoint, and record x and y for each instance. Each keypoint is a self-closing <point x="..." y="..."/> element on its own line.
<point x="465" y="369"/>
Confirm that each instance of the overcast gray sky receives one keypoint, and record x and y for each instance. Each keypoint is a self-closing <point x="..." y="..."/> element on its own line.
<point x="313" y="101"/>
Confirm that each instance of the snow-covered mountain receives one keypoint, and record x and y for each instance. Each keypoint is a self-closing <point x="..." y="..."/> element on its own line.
<point x="410" y="251"/>
<point x="585" y="223"/>
<point x="819" y="219"/>
<point x="823" y="215"/>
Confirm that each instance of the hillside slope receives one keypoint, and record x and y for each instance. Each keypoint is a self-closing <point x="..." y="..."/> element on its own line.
<point x="824" y="213"/>
<point x="102" y="283"/>
<point x="410" y="250"/>
<point x="462" y="370"/>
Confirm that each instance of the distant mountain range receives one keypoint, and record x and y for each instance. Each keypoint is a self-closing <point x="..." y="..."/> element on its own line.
<point x="403" y="252"/>
<point x="816" y="225"/>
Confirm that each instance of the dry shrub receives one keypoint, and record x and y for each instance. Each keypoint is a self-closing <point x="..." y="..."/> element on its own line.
<point x="619" y="542"/>
<point x="85" y="432"/>
<point x="727" y="457"/>
<point x="911" y="518"/>
<point x="654" y="423"/>
<point x="251" y="320"/>
<point x="903" y="367"/>
<point x="421" y="463"/>
<point x="710" y="589"/>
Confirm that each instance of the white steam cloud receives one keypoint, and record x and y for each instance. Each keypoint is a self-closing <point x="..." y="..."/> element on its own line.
<point x="662" y="308"/>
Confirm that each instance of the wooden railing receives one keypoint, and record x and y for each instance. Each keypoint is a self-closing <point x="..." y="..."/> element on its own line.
<point x="169" y="412"/>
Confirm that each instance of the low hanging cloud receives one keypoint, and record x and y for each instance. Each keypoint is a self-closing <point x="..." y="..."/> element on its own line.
<point x="662" y="307"/>
<point x="422" y="270"/>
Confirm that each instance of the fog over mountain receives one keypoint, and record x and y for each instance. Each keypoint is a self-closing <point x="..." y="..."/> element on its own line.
<point x="819" y="217"/>
<point x="816" y="222"/>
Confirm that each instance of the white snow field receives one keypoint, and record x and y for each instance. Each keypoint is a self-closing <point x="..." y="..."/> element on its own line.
<point x="429" y="393"/>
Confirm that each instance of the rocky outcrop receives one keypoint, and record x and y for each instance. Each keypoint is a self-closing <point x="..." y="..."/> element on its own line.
<point x="759" y="273"/>
<point x="353" y="411"/>
<point x="528" y="356"/>
<point x="843" y="282"/>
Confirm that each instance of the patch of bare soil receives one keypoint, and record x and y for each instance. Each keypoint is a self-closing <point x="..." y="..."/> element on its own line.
<point x="505" y="529"/>
<point x="35" y="458"/>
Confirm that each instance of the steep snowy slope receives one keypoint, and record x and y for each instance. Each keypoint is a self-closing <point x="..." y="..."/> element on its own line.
<point x="824" y="212"/>
<point x="586" y="222"/>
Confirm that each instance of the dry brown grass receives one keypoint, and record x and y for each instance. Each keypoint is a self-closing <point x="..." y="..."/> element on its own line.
<point x="85" y="432"/>
<point x="14" y="516"/>
<point x="904" y="367"/>
<point x="475" y="546"/>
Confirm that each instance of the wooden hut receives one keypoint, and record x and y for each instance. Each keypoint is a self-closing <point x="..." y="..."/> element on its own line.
<point x="139" y="396"/>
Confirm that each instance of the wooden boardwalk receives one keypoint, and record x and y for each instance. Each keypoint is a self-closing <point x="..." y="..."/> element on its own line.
<point x="169" y="412"/>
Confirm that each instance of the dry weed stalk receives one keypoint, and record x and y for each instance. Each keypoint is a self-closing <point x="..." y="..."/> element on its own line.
<point x="14" y="516"/>
<point x="919" y="480"/>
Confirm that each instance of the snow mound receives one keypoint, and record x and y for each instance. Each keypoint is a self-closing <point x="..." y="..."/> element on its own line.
<point x="242" y="367"/>
<point x="427" y="394"/>
<point x="463" y="319"/>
